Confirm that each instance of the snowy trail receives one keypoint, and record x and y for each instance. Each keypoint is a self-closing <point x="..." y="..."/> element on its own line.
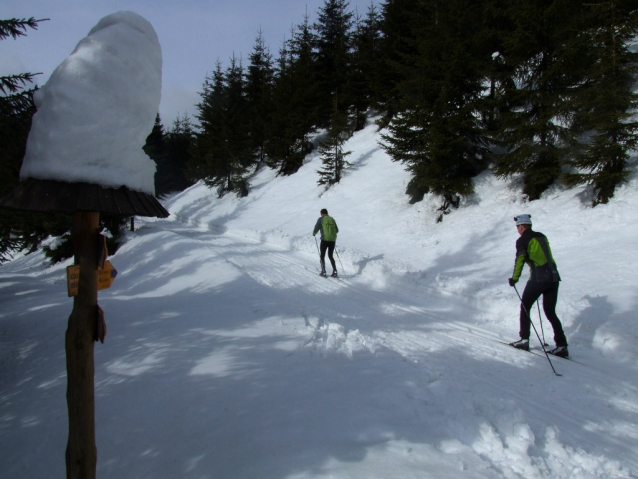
<point x="229" y="357"/>
<point x="348" y="319"/>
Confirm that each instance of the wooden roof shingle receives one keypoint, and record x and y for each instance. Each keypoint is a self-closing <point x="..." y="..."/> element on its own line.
<point x="49" y="195"/>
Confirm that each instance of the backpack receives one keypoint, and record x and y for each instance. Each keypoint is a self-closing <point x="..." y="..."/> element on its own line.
<point x="329" y="228"/>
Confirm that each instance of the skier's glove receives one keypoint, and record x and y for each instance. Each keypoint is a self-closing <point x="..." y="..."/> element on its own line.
<point x="512" y="282"/>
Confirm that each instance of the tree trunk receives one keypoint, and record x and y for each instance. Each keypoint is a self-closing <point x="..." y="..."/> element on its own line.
<point x="81" y="453"/>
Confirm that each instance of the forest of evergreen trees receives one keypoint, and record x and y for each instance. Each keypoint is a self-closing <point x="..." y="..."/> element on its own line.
<point x="539" y="90"/>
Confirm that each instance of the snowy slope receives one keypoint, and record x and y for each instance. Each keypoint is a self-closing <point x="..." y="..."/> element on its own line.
<point x="228" y="357"/>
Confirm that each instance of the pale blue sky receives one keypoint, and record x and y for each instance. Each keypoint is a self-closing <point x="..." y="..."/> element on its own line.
<point x="193" y="35"/>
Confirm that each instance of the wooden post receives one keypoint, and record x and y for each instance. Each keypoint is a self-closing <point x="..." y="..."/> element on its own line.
<point x="81" y="452"/>
<point x="50" y="195"/>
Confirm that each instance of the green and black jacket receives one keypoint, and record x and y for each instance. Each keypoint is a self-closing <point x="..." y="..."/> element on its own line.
<point x="533" y="248"/>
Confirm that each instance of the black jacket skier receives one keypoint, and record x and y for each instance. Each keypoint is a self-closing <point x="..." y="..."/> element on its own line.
<point x="533" y="248"/>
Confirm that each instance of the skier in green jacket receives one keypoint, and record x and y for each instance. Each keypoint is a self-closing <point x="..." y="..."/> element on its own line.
<point x="328" y="228"/>
<point x="533" y="248"/>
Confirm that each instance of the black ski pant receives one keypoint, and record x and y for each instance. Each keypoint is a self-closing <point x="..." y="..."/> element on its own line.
<point x="533" y="291"/>
<point x="330" y="247"/>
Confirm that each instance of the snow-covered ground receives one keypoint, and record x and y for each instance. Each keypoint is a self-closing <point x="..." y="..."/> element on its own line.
<point x="227" y="356"/>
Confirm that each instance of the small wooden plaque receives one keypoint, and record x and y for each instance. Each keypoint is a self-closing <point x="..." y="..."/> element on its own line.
<point x="72" y="279"/>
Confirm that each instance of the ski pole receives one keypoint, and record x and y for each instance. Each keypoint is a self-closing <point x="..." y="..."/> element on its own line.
<point x="319" y="253"/>
<point x="339" y="258"/>
<point x="531" y="322"/>
<point x="540" y="320"/>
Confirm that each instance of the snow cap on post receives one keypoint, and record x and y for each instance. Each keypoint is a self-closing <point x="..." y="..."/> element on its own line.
<point x="98" y="107"/>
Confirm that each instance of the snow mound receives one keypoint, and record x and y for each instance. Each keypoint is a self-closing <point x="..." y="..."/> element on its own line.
<point x="98" y="107"/>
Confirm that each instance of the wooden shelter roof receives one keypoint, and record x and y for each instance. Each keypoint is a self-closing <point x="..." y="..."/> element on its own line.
<point x="48" y="195"/>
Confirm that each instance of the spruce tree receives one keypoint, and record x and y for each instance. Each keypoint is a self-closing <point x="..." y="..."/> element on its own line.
<point x="259" y="91"/>
<point x="156" y="151"/>
<point x="365" y="65"/>
<point x="208" y="161"/>
<point x="606" y="100"/>
<point x="304" y="104"/>
<point x="333" y="44"/>
<point x="535" y="126"/>
<point x="15" y="97"/>
<point x="16" y="111"/>
<point x="294" y="114"/>
<point x="170" y="153"/>
<point x="438" y="133"/>
<point x="222" y="156"/>
<point x="179" y="142"/>
<point x="238" y="151"/>
<point x="19" y="230"/>
<point x="280" y="137"/>
<point x="401" y="21"/>
<point x="333" y="158"/>
<point x="495" y="26"/>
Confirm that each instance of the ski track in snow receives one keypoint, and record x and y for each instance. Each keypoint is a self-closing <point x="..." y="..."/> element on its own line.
<point x="486" y="421"/>
<point x="227" y="356"/>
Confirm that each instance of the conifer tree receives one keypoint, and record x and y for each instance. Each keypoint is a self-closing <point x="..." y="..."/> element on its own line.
<point x="15" y="97"/>
<point x="222" y="156"/>
<point x="179" y="142"/>
<point x="19" y="230"/>
<point x="237" y="147"/>
<point x="365" y="64"/>
<point x="259" y="90"/>
<point x="16" y="110"/>
<point x="303" y="60"/>
<point x="606" y="100"/>
<point x="279" y="147"/>
<point x="156" y="151"/>
<point x="535" y="128"/>
<point x="333" y="44"/>
<point x="495" y="26"/>
<point x="170" y="153"/>
<point x="207" y="161"/>
<point x="294" y="114"/>
<point x="333" y="158"/>
<point x="438" y="133"/>
<point x="399" y="28"/>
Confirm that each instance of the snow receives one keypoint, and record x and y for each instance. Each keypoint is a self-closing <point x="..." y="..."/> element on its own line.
<point x="228" y="357"/>
<point x="98" y="107"/>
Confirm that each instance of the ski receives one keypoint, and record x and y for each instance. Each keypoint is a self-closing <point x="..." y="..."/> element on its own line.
<point x="568" y="358"/>
<point x="535" y="352"/>
<point x="538" y="352"/>
<point x="325" y="275"/>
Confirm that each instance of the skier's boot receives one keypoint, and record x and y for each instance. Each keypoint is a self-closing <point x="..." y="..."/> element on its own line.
<point x="334" y="273"/>
<point x="560" y="351"/>
<point x="521" y="344"/>
<point x="323" y="273"/>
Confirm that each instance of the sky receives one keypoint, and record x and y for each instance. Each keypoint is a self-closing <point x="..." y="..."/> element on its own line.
<point x="193" y="34"/>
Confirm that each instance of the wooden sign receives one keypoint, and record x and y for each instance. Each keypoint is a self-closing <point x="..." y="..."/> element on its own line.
<point x="72" y="279"/>
<point x="105" y="277"/>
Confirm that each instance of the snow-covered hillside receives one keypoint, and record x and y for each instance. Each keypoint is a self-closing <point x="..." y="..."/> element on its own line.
<point x="227" y="356"/>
